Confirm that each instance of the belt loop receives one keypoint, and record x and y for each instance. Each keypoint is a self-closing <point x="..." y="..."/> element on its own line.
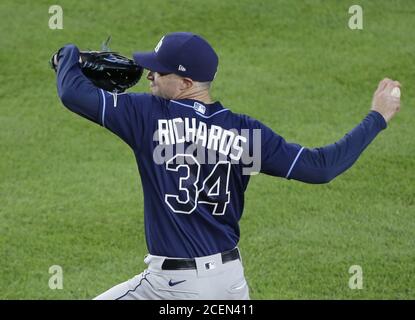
<point x="147" y="259"/>
<point x="239" y="253"/>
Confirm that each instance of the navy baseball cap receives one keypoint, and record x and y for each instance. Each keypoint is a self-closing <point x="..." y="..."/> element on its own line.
<point x="183" y="53"/>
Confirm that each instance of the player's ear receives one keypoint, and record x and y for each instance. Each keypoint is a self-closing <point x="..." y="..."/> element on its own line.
<point x="187" y="83"/>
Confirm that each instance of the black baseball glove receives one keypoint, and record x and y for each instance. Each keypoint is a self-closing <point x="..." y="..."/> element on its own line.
<point x="110" y="70"/>
<point x="107" y="70"/>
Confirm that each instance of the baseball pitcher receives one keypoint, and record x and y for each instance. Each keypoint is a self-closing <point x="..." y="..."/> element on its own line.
<point x="195" y="158"/>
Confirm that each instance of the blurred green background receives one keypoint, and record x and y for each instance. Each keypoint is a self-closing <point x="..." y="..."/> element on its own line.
<point x="70" y="192"/>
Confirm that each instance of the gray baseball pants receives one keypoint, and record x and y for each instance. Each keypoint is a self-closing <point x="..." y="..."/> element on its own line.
<point x="210" y="280"/>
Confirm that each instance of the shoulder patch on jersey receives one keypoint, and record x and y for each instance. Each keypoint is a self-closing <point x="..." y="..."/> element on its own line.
<point x="199" y="107"/>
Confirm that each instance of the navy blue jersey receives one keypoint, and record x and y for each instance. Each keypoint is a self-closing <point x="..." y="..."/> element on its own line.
<point x="195" y="159"/>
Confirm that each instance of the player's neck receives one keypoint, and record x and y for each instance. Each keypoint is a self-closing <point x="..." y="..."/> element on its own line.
<point x="202" y="96"/>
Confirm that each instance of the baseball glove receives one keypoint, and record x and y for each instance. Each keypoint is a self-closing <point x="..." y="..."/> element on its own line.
<point x="108" y="70"/>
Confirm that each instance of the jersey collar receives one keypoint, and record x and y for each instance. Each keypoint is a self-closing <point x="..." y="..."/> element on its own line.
<point x="205" y="110"/>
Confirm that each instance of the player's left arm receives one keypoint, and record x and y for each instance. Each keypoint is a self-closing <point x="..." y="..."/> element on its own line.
<point x="122" y="114"/>
<point x="75" y="90"/>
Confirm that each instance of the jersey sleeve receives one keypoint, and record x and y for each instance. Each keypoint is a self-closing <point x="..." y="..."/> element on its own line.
<point x="317" y="165"/>
<point x="321" y="165"/>
<point x="126" y="115"/>
<point x="123" y="114"/>
<point x="276" y="156"/>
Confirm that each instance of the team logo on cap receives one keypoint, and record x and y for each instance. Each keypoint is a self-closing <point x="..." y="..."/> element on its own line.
<point x="156" y="49"/>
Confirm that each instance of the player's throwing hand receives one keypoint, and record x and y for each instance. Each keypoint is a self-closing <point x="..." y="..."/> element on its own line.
<point x="387" y="98"/>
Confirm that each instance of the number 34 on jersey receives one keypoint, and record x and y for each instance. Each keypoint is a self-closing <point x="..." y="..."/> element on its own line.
<point x="214" y="190"/>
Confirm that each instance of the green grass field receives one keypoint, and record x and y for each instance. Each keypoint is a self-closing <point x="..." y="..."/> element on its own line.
<point x="70" y="192"/>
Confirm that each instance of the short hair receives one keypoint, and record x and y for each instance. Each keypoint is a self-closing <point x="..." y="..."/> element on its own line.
<point x="203" y="85"/>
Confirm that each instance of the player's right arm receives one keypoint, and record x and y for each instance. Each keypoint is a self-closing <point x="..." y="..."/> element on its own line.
<point x="321" y="165"/>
